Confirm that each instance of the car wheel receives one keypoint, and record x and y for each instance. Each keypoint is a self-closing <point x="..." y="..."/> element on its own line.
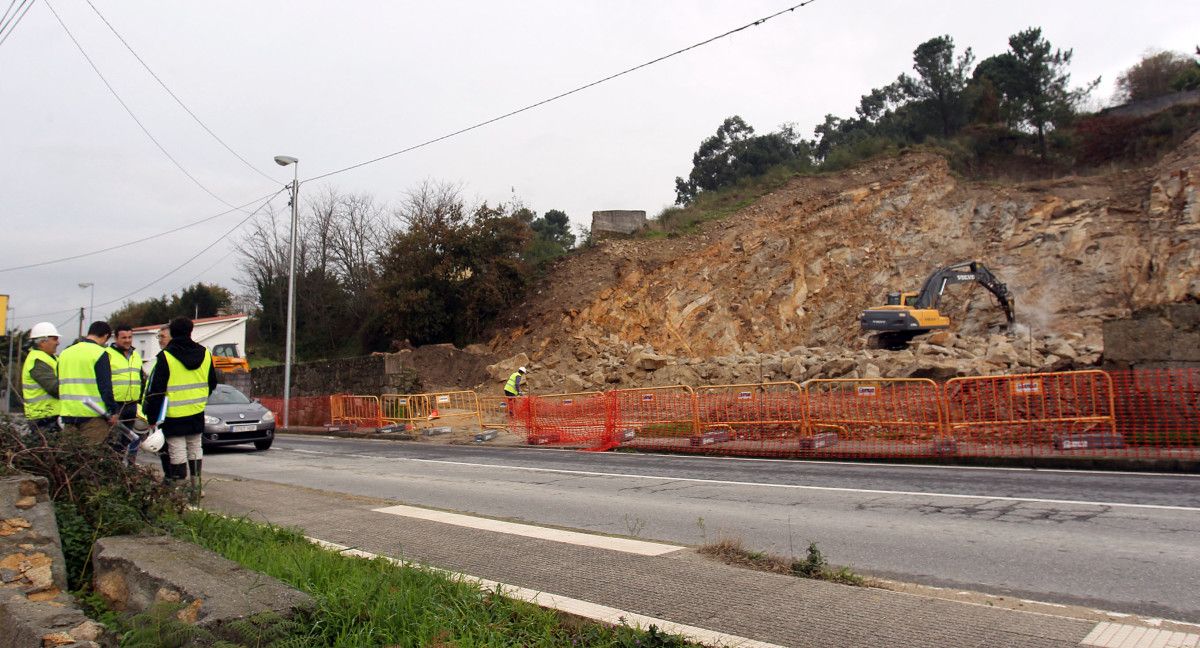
<point x="264" y="444"/>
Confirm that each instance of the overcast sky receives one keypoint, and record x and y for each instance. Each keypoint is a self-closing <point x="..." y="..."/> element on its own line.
<point x="334" y="84"/>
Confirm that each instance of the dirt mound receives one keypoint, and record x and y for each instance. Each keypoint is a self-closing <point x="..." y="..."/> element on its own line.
<point x="444" y="367"/>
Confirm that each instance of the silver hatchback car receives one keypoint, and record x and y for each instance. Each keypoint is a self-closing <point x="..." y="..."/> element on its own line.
<point x="231" y="418"/>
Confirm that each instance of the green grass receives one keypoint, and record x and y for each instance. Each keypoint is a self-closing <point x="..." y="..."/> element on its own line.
<point x="715" y="205"/>
<point x="667" y="429"/>
<point x="378" y="603"/>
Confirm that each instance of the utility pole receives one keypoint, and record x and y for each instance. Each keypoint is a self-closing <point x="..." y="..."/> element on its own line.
<point x="81" y="311"/>
<point x="8" y="372"/>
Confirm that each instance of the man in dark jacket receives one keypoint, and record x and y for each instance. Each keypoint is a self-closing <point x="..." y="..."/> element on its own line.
<point x="184" y="375"/>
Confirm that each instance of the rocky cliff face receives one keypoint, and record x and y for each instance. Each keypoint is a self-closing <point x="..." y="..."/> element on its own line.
<point x="794" y="269"/>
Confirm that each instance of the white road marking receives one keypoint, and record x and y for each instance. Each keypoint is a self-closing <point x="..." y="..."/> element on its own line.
<point x="1115" y="635"/>
<point x="602" y="613"/>
<point x="626" y="545"/>
<point x="725" y="482"/>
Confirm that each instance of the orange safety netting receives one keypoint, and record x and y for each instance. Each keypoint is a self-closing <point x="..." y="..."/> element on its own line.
<point x="303" y="411"/>
<point x="1134" y="414"/>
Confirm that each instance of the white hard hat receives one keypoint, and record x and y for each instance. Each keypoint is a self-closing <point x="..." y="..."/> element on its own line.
<point x="43" y="329"/>
<point x="153" y="441"/>
<point x="521" y="370"/>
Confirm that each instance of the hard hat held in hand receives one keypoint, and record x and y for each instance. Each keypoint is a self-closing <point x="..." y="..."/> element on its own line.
<point x="43" y="329"/>
<point x="153" y="442"/>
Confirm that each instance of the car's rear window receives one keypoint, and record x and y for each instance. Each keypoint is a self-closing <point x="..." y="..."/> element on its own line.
<point x="227" y="396"/>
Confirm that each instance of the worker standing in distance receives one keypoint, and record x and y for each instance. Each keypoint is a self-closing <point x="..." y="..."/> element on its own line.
<point x="184" y="375"/>
<point x="513" y="387"/>
<point x="84" y="373"/>
<point x="39" y="378"/>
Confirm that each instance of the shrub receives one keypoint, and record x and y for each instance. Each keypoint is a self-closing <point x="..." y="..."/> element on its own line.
<point x="95" y="494"/>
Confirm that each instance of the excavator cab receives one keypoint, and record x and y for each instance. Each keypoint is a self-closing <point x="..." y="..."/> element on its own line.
<point x="909" y="314"/>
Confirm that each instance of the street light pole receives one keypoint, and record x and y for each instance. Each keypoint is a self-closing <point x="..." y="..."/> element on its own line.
<point x="92" y="302"/>
<point x="289" y="344"/>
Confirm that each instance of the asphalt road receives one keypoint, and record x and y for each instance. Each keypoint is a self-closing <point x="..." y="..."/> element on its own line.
<point x="1127" y="542"/>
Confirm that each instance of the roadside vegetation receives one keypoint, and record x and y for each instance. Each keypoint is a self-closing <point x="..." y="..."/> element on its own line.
<point x="813" y="565"/>
<point x="1014" y="116"/>
<point x="359" y="602"/>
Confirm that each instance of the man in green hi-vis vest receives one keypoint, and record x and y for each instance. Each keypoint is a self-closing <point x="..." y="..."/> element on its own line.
<point x="184" y="375"/>
<point x="127" y="379"/>
<point x="39" y="378"/>
<point x="84" y="374"/>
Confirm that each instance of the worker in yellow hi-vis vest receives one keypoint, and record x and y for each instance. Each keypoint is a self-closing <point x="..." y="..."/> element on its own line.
<point x="128" y="382"/>
<point x="39" y="378"/>
<point x="84" y="375"/>
<point x="183" y="374"/>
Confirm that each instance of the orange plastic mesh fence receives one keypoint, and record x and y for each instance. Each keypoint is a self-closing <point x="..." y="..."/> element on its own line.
<point x="1158" y="412"/>
<point x="1033" y="414"/>
<point x="359" y="411"/>
<point x="576" y="419"/>
<point x="303" y="411"/>
<point x="877" y="417"/>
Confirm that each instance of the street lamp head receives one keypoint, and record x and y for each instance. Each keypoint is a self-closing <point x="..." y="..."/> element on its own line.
<point x="284" y="160"/>
<point x="86" y="285"/>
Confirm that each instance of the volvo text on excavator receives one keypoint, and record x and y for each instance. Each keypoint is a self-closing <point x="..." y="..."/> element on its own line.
<point x="909" y="314"/>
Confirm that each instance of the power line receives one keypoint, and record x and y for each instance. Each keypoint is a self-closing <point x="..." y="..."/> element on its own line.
<point x="174" y="96"/>
<point x="130" y="111"/>
<point x="206" y="248"/>
<point x="4" y="18"/>
<point x="196" y="255"/>
<point x="12" y="24"/>
<point x="564" y="94"/>
<point x="126" y="244"/>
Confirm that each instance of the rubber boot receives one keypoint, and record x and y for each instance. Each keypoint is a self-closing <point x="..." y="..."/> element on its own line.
<point x="166" y="464"/>
<point x="176" y="474"/>
<point x="196" y="485"/>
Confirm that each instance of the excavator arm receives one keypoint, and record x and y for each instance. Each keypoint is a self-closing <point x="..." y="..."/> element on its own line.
<point x="965" y="272"/>
<point x="907" y="315"/>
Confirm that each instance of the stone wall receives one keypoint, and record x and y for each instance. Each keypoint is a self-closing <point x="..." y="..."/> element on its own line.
<point x="35" y="608"/>
<point x="1162" y="336"/>
<point x="617" y="221"/>
<point x="372" y="375"/>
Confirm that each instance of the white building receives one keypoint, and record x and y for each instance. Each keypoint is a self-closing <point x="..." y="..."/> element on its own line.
<point x="212" y="332"/>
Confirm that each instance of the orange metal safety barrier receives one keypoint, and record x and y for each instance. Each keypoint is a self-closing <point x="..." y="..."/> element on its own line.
<point x="303" y="411"/>
<point x="359" y="411"/>
<point x="1033" y="414"/>
<point x="433" y="409"/>
<point x="751" y="417"/>
<point x="493" y="412"/>
<point x="1128" y="414"/>
<point x="644" y="417"/>
<point x="880" y="417"/>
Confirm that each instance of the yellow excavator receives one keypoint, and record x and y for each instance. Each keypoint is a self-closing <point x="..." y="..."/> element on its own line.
<point x="909" y="314"/>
